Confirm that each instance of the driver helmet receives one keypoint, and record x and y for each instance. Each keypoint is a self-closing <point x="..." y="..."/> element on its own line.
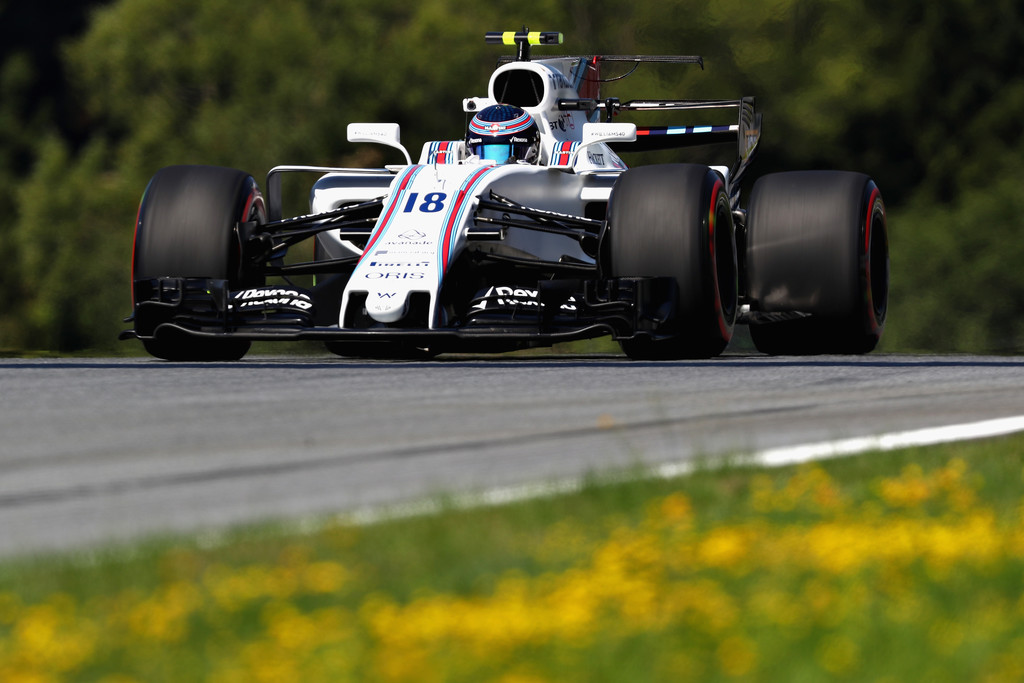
<point x="504" y="134"/>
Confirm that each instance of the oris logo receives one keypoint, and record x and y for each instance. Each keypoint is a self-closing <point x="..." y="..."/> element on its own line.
<point x="394" y="276"/>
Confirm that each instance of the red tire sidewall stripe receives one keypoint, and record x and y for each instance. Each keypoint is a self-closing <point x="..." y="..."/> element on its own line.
<point x="723" y="326"/>
<point x="874" y="325"/>
<point x="135" y="245"/>
<point x="135" y="237"/>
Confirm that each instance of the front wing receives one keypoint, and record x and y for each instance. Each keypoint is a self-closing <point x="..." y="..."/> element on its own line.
<point x="500" y="317"/>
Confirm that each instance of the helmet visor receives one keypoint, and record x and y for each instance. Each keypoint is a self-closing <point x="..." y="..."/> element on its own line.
<point x="500" y="153"/>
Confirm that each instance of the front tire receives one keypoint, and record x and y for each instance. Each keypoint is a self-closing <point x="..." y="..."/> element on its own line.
<point x="675" y="221"/>
<point x="186" y="229"/>
<point x="818" y="248"/>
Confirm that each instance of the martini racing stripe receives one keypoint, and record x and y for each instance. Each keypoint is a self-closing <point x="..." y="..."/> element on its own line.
<point x="404" y="181"/>
<point x="516" y="125"/>
<point x="562" y="154"/>
<point x="455" y="215"/>
<point x="443" y="152"/>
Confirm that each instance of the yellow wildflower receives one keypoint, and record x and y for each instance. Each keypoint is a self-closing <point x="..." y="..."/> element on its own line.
<point x="324" y="577"/>
<point x="737" y="655"/>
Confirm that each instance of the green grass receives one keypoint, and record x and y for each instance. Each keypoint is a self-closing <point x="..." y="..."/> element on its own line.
<point x="905" y="565"/>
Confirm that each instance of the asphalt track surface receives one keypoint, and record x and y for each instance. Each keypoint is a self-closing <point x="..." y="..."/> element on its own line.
<point x="94" y="451"/>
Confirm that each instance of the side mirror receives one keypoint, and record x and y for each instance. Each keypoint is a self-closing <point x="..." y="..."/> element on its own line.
<point x="595" y="133"/>
<point x="608" y="132"/>
<point x="380" y="133"/>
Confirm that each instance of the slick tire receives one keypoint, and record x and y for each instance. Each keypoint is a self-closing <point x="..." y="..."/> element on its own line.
<point x="675" y="221"/>
<point x="186" y="228"/>
<point x="818" y="248"/>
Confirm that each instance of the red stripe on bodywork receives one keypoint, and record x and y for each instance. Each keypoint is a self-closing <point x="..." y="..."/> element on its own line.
<point x="410" y="174"/>
<point x="449" y="228"/>
<point x="565" y="153"/>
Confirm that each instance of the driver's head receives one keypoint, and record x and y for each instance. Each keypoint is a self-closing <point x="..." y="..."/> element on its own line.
<point x="504" y="134"/>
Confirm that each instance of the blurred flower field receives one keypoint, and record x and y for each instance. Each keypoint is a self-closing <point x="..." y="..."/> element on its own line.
<point x="869" y="571"/>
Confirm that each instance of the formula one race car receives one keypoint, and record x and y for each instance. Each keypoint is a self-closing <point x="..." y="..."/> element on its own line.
<point x="528" y="231"/>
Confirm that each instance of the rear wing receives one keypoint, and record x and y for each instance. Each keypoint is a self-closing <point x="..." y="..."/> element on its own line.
<point x="587" y="70"/>
<point x="588" y="67"/>
<point x="525" y="38"/>
<point x="746" y="132"/>
<point x="633" y="59"/>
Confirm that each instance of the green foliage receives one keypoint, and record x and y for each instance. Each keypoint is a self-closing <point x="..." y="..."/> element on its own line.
<point x="968" y="252"/>
<point x="77" y="265"/>
<point x="925" y="97"/>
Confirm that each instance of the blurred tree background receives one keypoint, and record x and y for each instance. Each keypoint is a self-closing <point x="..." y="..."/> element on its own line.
<point x="925" y="96"/>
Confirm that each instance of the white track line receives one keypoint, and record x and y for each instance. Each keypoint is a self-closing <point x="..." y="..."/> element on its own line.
<point x="887" y="442"/>
<point x="772" y="457"/>
<point x="794" y="455"/>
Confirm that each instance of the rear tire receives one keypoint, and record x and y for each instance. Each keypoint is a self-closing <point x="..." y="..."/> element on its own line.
<point x="186" y="229"/>
<point x="817" y="246"/>
<point x="675" y="221"/>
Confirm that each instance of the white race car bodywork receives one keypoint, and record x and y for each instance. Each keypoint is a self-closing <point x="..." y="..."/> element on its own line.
<point x="429" y="206"/>
<point x="424" y="225"/>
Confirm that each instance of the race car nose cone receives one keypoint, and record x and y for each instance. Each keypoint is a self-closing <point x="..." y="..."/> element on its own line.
<point x="387" y="307"/>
